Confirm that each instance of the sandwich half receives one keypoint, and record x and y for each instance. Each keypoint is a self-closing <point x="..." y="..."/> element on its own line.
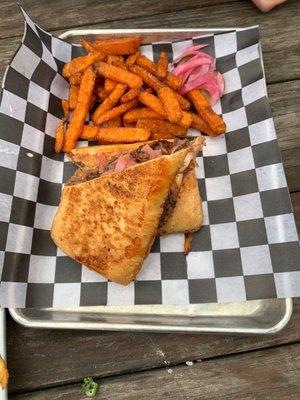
<point x="108" y="219"/>
<point x="187" y="215"/>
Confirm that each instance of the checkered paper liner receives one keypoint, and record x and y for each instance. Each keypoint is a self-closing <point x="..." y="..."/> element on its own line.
<point x="248" y="246"/>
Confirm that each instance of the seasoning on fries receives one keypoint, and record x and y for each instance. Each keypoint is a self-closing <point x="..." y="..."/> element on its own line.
<point x="102" y="93"/>
<point x="117" y="122"/>
<point x="127" y="97"/>
<point x="118" y="74"/>
<point x="118" y="46"/>
<point x="65" y="107"/>
<point x="123" y="135"/>
<point x="199" y="124"/>
<point x="59" y="137"/>
<point x="146" y="76"/>
<point x="140" y="113"/>
<point x="81" y="109"/>
<point x="152" y="102"/>
<point x="110" y="101"/>
<point x="87" y="46"/>
<point x="89" y="132"/>
<point x="81" y="63"/>
<point x="170" y="104"/>
<point x="115" y="112"/>
<point x="158" y="126"/>
<point x="201" y="104"/>
<point x="186" y="120"/>
<point x="162" y="65"/>
<point x="109" y="85"/>
<point x="73" y="96"/>
<point x="132" y="58"/>
<point x="130" y="95"/>
<point x="75" y="79"/>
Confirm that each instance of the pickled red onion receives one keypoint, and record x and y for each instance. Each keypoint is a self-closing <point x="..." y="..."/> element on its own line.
<point x="189" y="51"/>
<point x="190" y="65"/>
<point x="199" y="72"/>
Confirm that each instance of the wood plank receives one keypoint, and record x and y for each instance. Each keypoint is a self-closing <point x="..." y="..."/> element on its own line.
<point x="68" y="14"/>
<point x="281" y="47"/>
<point x="39" y="358"/>
<point x="269" y="374"/>
<point x="285" y="104"/>
<point x="295" y="197"/>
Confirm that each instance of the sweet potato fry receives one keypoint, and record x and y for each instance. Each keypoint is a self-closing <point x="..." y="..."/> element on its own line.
<point x="110" y="102"/>
<point x="173" y="81"/>
<point x="188" y="241"/>
<point x="184" y="103"/>
<point x="59" y="137"/>
<point x="81" y="109"/>
<point x="119" y="75"/>
<point x="170" y="103"/>
<point x="123" y="135"/>
<point x="147" y="64"/>
<point x="158" y="126"/>
<point x="75" y="79"/>
<point x="87" y="46"/>
<point x="146" y="76"/>
<point x="131" y="94"/>
<point x="115" y="112"/>
<point x="139" y="113"/>
<point x="118" y="46"/>
<point x="117" y="61"/>
<point x="65" y="107"/>
<point x="132" y="58"/>
<point x="186" y="120"/>
<point x="162" y="65"/>
<point x="79" y="64"/>
<point x="89" y="132"/>
<point x="109" y="85"/>
<point x="117" y="122"/>
<point x="199" y="124"/>
<point x="102" y="93"/>
<point x="153" y="102"/>
<point x="201" y="104"/>
<point x="73" y="96"/>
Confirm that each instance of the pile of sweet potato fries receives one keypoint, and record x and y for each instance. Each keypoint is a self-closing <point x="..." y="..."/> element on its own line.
<point x="129" y="98"/>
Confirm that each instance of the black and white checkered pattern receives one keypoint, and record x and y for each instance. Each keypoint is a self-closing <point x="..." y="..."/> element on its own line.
<point x="248" y="247"/>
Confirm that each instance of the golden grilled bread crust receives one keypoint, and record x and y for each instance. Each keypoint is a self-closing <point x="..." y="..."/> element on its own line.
<point x="187" y="216"/>
<point x="109" y="223"/>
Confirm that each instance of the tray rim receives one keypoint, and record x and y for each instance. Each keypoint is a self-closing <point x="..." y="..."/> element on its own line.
<point x="18" y="316"/>
<point x="3" y="392"/>
<point x="108" y="31"/>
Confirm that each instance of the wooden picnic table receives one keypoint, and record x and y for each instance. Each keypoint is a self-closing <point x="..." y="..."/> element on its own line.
<point x="47" y="364"/>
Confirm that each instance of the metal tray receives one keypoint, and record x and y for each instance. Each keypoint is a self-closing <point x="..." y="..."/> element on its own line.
<point x="249" y="317"/>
